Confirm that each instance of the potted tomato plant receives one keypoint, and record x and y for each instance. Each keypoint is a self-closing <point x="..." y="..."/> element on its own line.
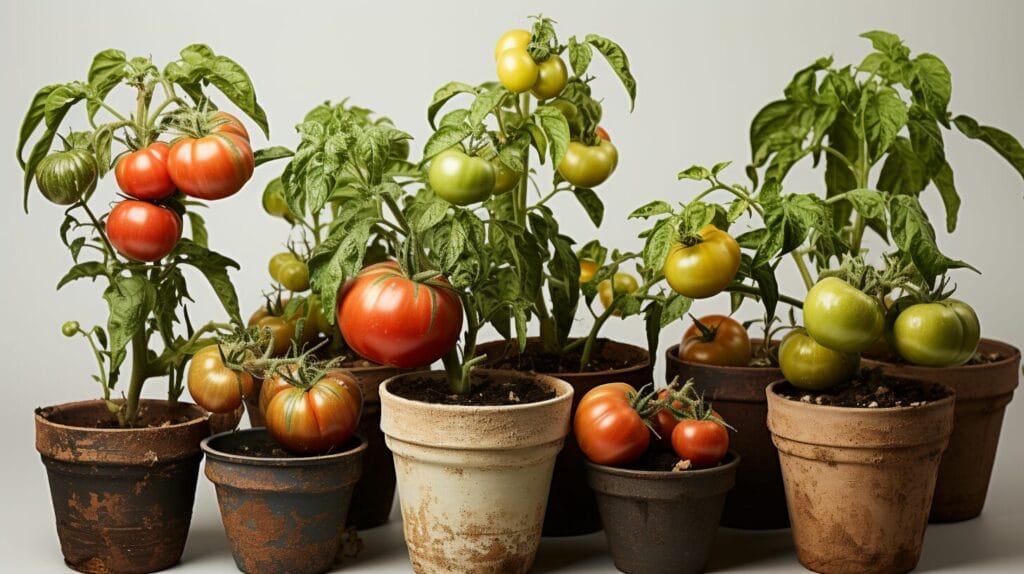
<point x="318" y="205"/>
<point x="122" y="470"/>
<point x="661" y="467"/>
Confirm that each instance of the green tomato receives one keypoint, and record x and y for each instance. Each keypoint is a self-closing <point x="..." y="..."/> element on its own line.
<point x="942" y="334"/>
<point x="810" y="366"/>
<point x="461" y="179"/>
<point x="70" y="328"/>
<point x="551" y="78"/>
<point x="273" y="199"/>
<point x="505" y="179"/>
<point x="65" y="176"/>
<point x="588" y="165"/>
<point x="277" y="262"/>
<point x="294" y="276"/>
<point x="841" y="317"/>
<point x="516" y="70"/>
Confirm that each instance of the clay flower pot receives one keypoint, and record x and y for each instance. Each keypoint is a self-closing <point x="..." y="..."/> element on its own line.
<point x="662" y="522"/>
<point x="859" y="481"/>
<point x="123" y="497"/>
<point x="473" y="480"/>
<point x="758" y="501"/>
<point x="375" y="491"/>
<point x="281" y="513"/>
<point x="572" y="508"/>
<point x="982" y="393"/>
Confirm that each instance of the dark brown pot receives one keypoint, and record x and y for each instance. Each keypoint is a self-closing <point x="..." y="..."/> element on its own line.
<point x="375" y="491"/>
<point x="982" y="393"/>
<point x="122" y="497"/>
<point x="662" y="522"/>
<point x="281" y="514"/>
<point x="572" y="508"/>
<point x="758" y="501"/>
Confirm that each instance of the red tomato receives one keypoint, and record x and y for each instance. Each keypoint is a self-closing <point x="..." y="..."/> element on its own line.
<point x="727" y="345"/>
<point x="608" y="429"/>
<point x="143" y="231"/>
<point x="390" y="319"/>
<point x="702" y="442"/>
<point x="211" y="167"/>
<point x="318" y="419"/>
<point x="213" y="385"/>
<point x="664" y="422"/>
<point x="231" y="125"/>
<point x="143" y="174"/>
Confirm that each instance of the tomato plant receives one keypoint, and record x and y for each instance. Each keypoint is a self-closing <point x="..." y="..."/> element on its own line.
<point x="143" y="174"/>
<point x="214" y="386"/>
<point x="611" y="423"/>
<point x="716" y="340"/>
<point x="314" y="410"/>
<point x="808" y="365"/>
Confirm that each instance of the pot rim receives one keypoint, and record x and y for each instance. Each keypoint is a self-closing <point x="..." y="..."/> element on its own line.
<point x="732" y="456"/>
<point x="1014" y="356"/>
<point x="672" y="355"/>
<point x="563" y="392"/>
<point x="950" y="398"/>
<point x="240" y="459"/>
<point x="203" y="416"/>
<point x="574" y="374"/>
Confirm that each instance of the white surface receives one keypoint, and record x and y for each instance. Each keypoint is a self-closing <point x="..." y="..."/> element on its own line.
<point x="703" y="71"/>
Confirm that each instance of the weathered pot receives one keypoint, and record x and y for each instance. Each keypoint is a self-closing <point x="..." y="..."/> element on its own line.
<point x="982" y="393"/>
<point x="662" y="522"/>
<point x="122" y="497"/>
<point x="859" y="481"/>
<point x="223" y="422"/>
<point x="758" y="501"/>
<point x="281" y="514"/>
<point x="572" y="508"/>
<point x="375" y="492"/>
<point x="473" y="481"/>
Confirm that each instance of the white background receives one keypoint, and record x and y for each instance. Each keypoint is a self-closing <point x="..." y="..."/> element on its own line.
<point x="703" y="70"/>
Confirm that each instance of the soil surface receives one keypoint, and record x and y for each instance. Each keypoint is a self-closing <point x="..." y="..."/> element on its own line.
<point x="979" y="358"/>
<point x="662" y="460"/>
<point x="538" y="361"/>
<point x="263" y="446"/>
<point x="486" y="391"/>
<point x="147" y="418"/>
<point x="869" y="390"/>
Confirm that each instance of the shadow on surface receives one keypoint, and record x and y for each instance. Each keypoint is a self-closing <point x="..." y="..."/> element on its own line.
<point x="973" y="544"/>
<point x="556" y="554"/>
<point x="736" y="549"/>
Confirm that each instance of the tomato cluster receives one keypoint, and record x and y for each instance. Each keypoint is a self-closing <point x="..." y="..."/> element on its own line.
<point x="519" y="72"/>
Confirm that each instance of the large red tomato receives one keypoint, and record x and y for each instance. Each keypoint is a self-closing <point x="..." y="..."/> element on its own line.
<point x="143" y="231"/>
<point x="725" y="344"/>
<point x="608" y="428"/>
<point x="317" y="419"/>
<point x="390" y="319"/>
<point x="230" y="125"/>
<point x="143" y="174"/>
<point x="214" y="166"/>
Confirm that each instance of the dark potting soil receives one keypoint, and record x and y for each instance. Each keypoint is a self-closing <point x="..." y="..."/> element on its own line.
<point x="664" y="460"/>
<point x="538" y="361"/>
<point x="486" y="391"/>
<point x="870" y="389"/>
<point x="263" y="446"/>
<point x="147" y="418"/>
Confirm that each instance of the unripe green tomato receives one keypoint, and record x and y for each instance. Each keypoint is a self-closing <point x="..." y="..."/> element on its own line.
<point x="278" y="261"/>
<point x="505" y="179"/>
<point x="619" y="284"/>
<point x="461" y="179"/>
<point x="517" y="71"/>
<point x="808" y="365"/>
<point x="942" y="334"/>
<point x="294" y="276"/>
<point x="70" y="328"/>
<point x="552" y="76"/>
<point x="512" y="39"/>
<point x="64" y="177"/>
<point x="841" y="317"/>
<point x="588" y="166"/>
<point x="274" y="202"/>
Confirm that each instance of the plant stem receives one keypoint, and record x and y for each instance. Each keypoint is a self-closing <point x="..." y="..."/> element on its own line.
<point x="141" y="126"/>
<point x="747" y="289"/>
<point x="138" y="378"/>
<point x="99" y="362"/>
<point x="111" y="110"/>
<point x="99" y="229"/>
<point x="805" y="273"/>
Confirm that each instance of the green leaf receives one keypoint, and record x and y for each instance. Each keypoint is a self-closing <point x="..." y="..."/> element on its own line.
<point x="373" y="152"/>
<point x="696" y="215"/>
<point x="737" y="208"/>
<point x="485" y="103"/>
<point x="1003" y="143"/>
<point x="718" y="167"/>
<point x="591" y="203"/>
<point x="552" y="121"/>
<point x="318" y="183"/>
<point x="60" y="101"/>
<point x="617" y="59"/>
<point x="932" y="85"/>
<point x="33" y="117"/>
<point x="653" y="322"/>
<point x="869" y="203"/>
<point x="838" y="176"/>
<point x="694" y="172"/>
<point x="106" y="72"/>
<point x="538" y="140"/>
<point x="214" y="267"/>
<point x="658" y="243"/>
<point x="580" y="56"/>
<point x="511" y="154"/>
<point x="903" y="171"/>
<point x="340" y="257"/>
<point x="914" y="235"/>
<point x="887" y="43"/>
<point x="651" y="209"/>
<point x="86" y="270"/>
<point x="776" y="125"/>
<point x="926" y="140"/>
<point x="55" y="106"/>
<point x="268" y="154"/>
<point x="455" y="117"/>
<point x="752" y="239"/>
<point x="884" y="116"/>
<point x="102" y="140"/>
<point x="444" y="138"/>
<point x="676" y="306"/>
<point x="230" y="78"/>
<point x="433" y="214"/>
<point x="768" y="285"/>
<point x="199" y="233"/>
<point x="950" y="198"/>
<point x="130" y="300"/>
<point x="441" y="97"/>
<point x="788" y="220"/>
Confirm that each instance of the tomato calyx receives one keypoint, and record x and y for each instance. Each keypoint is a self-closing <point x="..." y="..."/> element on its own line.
<point x="691" y="406"/>
<point x="707" y="334"/>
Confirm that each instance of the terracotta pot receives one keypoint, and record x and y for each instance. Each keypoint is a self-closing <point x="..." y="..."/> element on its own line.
<point x="375" y="492"/>
<point x="281" y="514"/>
<point x="473" y="481"/>
<point x="224" y="422"/>
<point x="982" y="393"/>
<point x="859" y="481"/>
<point x="758" y="501"/>
<point x="572" y="508"/>
<point x="122" y="497"/>
<point x="662" y="522"/>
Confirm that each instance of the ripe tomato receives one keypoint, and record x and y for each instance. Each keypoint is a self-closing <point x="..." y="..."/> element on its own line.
<point x="552" y="75"/>
<point x="214" y="386"/>
<point x="842" y="317"/>
<point x="460" y="179"/>
<point x="942" y="334"/>
<point x="230" y="125"/>
<point x="213" y="166"/>
<point x="390" y="319"/>
<point x="516" y="70"/>
<point x="143" y="231"/>
<point x="588" y="166"/>
<point x="318" y="419"/>
<point x="64" y="177"/>
<point x="619" y="284"/>
<point x="664" y="422"/>
<point x="608" y="429"/>
<point x="726" y="343"/>
<point x="706" y="268"/>
<point x="809" y="365"/>
<point x="512" y="39"/>
<point x="702" y="442"/>
<point x="504" y="178"/>
<point x="588" y="267"/>
<point x="143" y="174"/>
<point x="282" y="331"/>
